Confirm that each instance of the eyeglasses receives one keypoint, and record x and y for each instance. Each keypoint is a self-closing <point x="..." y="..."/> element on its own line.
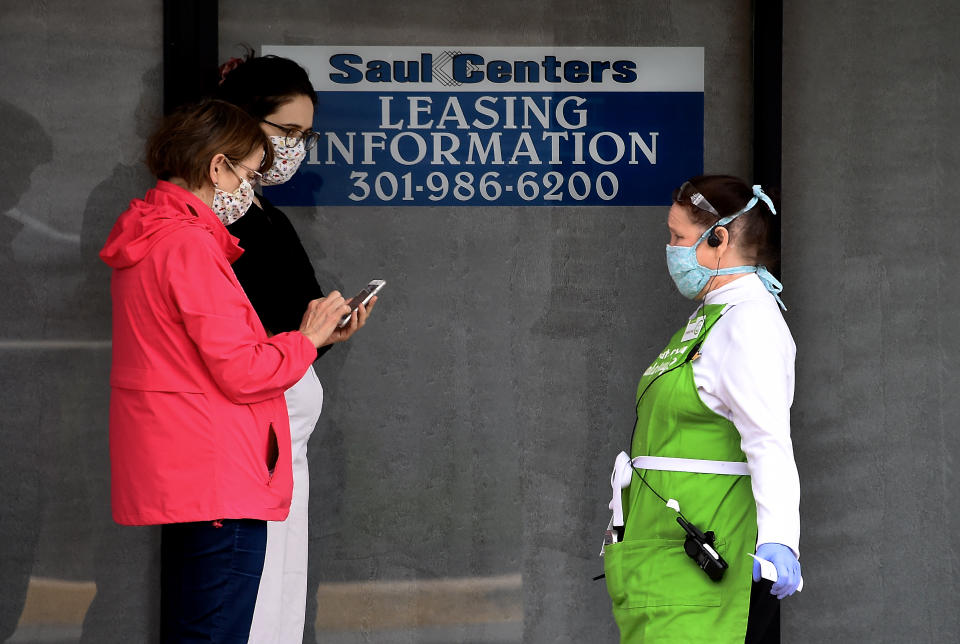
<point x="689" y="192"/>
<point x="257" y="176"/>
<point x="293" y="136"/>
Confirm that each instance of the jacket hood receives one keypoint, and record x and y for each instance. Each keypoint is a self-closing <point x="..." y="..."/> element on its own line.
<point x="165" y="209"/>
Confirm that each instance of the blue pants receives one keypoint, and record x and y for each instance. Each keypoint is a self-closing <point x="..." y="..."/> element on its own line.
<point x="209" y="579"/>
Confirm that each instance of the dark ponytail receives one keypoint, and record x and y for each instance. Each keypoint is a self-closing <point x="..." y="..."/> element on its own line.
<point x="754" y="232"/>
<point x="261" y="84"/>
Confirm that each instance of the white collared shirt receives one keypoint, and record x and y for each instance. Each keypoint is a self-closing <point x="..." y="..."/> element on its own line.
<point x="746" y="374"/>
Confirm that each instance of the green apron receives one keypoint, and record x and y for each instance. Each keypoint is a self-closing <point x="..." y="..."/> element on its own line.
<point x="659" y="593"/>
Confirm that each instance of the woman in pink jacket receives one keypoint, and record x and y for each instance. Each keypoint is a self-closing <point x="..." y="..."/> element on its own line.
<point x="199" y="433"/>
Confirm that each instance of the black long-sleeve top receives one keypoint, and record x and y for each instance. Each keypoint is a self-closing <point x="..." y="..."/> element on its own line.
<point x="274" y="270"/>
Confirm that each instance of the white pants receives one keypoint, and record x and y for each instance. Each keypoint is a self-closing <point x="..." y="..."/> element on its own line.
<point x="282" y="598"/>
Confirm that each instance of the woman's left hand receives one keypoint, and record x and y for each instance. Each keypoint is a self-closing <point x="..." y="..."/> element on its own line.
<point x="357" y="319"/>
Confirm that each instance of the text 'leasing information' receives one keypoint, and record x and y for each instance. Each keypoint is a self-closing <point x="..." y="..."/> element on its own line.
<point x="499" y="126"/>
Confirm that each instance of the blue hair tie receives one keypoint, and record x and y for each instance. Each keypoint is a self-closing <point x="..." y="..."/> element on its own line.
<point x="758" y="193"/>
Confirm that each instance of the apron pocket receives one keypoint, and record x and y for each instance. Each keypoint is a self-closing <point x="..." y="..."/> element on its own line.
<point x="656" y="572"/>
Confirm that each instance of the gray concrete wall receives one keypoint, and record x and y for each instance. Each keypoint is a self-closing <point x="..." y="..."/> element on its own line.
<point x="870" y="258"/>
<point x="460" y="466"/>
<point x="80" y="87"/>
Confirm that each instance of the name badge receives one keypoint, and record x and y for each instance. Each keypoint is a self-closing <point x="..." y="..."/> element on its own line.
<point x="694" y="327"/>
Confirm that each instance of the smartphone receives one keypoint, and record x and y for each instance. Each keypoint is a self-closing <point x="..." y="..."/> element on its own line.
<point x="362" y="297"/>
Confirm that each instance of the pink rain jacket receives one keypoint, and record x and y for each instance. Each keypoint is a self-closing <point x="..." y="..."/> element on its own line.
<point x="197" y="415"/>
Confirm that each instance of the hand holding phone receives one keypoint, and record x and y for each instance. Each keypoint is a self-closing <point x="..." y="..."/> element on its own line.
<point x="363" y="297"/>
<point x="322" y="316"/>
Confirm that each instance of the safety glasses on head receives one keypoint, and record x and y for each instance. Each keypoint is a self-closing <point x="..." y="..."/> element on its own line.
<point x="688" y="193"/>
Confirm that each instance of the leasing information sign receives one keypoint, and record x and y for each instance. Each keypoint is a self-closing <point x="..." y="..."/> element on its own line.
<point x="499" y="126"/>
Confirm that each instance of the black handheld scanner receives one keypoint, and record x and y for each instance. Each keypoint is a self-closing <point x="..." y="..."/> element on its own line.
<point x="699" y="547"/>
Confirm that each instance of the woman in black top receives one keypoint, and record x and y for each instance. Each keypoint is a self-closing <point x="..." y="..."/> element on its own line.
<point x="278" y="277"/>
<point x="274" y="268"/>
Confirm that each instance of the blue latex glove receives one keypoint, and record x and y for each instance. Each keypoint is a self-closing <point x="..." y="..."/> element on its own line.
<point x="788" y="568"/>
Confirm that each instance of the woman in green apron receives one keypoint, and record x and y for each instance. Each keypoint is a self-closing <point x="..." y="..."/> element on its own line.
<point x="711" y="446"/>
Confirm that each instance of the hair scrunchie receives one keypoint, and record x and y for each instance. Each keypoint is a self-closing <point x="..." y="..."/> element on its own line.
<point x="228" y="67"/>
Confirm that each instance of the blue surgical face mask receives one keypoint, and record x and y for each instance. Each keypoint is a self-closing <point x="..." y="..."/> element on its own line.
<point x="688" y="274"/>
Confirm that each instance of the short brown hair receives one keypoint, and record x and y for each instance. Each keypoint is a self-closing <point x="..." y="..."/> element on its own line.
<point x="755" y="233"/>
<point x="185" y="142"/>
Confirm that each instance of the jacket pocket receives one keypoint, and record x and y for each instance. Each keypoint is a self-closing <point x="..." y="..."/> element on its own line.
<point x="273" y="452"/>
<point x="656" y="572"/>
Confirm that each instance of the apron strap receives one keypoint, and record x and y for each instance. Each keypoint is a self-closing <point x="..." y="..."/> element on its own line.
<point x="623" y="467"/>
<point x="697" y="466"/>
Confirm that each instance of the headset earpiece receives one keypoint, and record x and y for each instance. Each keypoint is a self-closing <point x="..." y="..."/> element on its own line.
<point x="713" y="240"/>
